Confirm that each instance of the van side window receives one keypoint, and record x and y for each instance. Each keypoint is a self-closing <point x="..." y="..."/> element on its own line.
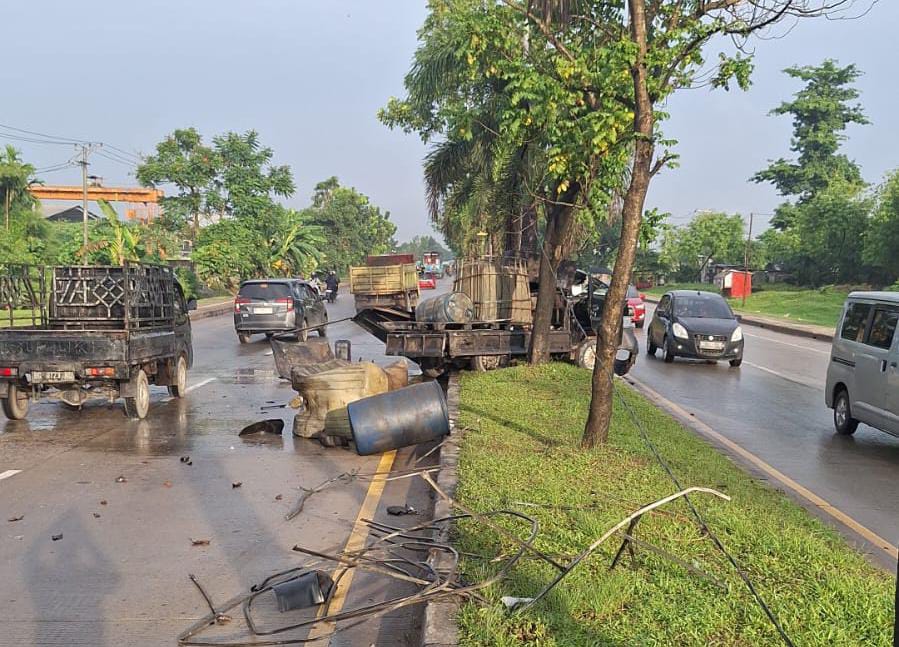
<point x="882" y="328"/>
<point x="856" y="321"/>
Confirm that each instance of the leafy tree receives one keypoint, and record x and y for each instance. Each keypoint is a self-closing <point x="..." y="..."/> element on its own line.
<point x="821" y="112"/>
<point x="352" y="227"/>
<point x="882" y="241"/>
<point x="421" y="244"/>
<point x="15" y="176"/>
<point x="114" y="242"/>
<point x="709" y="236"/>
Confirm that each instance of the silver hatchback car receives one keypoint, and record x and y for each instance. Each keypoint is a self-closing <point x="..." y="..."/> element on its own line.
<point x="863" y="374"/>
<point x="279" y="306"/>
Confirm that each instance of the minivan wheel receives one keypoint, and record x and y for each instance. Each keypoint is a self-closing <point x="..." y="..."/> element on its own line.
<point x="842" y="414"/>
<point x="244" y="337"/>
<point x="303" y="334"/>
<point x="322" y="332"/>
<point x="667" y="353"/>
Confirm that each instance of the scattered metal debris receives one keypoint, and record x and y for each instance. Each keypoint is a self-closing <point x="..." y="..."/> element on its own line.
<point x="278" y="497"/>
<point x="236" y="484"/>
<point x="96" y="515"/>
<point x="305" y="590"/>
<point x="121" y="479"/>
<point x="184" y="459"/>
<point x="56" y="537"/>
<point x="17" y="518"/>
<point x="400" y="510"/>
<point x="512" y="603"/>
<point x="200" y="542"/>
<point x="104" y="502"/>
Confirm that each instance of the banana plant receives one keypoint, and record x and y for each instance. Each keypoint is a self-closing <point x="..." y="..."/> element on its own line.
<point x="120" y="241"/>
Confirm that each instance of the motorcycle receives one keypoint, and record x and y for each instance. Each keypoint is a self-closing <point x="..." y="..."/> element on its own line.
<point x="330" y="295"/>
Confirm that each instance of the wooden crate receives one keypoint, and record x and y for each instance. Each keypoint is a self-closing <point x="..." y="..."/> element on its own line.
<point x="499" y="291"/>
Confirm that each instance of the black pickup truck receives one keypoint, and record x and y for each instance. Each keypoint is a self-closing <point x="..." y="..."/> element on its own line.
<point x="76" y="333"/>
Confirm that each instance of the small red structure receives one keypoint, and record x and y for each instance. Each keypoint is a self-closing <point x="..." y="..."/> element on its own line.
<point x="737" y="284"/>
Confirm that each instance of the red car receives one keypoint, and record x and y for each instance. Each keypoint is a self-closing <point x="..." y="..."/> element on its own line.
<point x="427" y="281"/>
<point x="635" y="302"/>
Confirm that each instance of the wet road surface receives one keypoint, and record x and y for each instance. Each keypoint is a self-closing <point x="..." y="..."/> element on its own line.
<point x="119" y="574"/>
<point x="773" y="406"/>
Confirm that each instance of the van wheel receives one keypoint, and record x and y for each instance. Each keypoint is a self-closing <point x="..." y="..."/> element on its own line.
<point x="16" y="403"/>
<point x="179" y="388"/>
<point x="244" y="337"/>
<point x="138" y="406"/>
<point x="842" y="414"/>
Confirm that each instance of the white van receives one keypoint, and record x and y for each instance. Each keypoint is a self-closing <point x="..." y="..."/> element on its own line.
<point x="863" y="374"/>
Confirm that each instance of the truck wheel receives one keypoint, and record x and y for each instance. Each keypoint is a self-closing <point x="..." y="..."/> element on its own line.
<point x="16" y="403"/>
<point x="179" y="388"/>
<point x="244" y="337"/>
<point x="432" y="367"/>
<point x="138" y="406"/>
<point x="483" y="363"/>
<point x="586" y="354"/>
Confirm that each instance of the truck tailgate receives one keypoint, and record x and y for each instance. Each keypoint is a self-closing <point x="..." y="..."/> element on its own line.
<point x="26" y="348"/>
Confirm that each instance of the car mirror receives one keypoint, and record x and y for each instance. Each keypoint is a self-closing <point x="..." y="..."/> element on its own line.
<point x="192" y="304"/>
<point x="738" y="317"/>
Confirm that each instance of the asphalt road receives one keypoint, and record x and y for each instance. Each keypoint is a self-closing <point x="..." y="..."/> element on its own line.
<point x="119" y="574"/>
<point x="773" y="406"/>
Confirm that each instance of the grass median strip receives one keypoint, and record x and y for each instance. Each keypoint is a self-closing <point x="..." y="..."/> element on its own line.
<point x="523" y="427"/>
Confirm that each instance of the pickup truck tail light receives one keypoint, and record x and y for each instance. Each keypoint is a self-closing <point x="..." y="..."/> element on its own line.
<point x="9" y="371"/>
<point x="286" y="300"/>
<point x="100" y="371"/>
<point x="239" y="301"/>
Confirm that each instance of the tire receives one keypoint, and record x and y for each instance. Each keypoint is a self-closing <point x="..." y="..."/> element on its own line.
<point x="621" y="367"/>
<point x="843" y="421"/>
<point x="484" y="363"/>
<point x="16" y="403"/>
<point x="735" y="363"/>
<point x="269" y="335"/>
<point x="138" y="406"/>
<point x="179" y="388"/>
<point x="244" y="337"/>
<point x="667" y="353"/>
<point x="322" y="331"/>
<point x="586" y="354"/>
<point x="303" y="334"/>
<point x="651" y="348"/>
<point x="432" y="368"/>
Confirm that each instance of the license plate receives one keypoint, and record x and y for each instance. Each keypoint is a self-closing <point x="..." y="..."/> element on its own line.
<point x="262" y="311"/>
<point x="711" y="345"/>
<point x="43" y="377"/>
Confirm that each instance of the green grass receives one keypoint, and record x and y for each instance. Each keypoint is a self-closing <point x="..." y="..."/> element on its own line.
<point x="820" y="306"/>
<point x="521" y="444"/>
<point x="209" y="301"/>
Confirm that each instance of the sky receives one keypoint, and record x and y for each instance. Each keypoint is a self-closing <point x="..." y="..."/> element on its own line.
<point x="310" y="77"/>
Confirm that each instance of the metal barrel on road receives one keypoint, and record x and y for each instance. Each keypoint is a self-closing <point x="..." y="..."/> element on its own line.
<point x="415" y="414"/>
<point x="454" y="307"/>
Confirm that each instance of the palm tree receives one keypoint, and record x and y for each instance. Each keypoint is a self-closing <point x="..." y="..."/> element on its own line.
<point x="15" y="176"/>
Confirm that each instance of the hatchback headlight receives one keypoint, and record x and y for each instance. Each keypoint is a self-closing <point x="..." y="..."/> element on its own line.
<point x="737" y="334"/>
<point x="679" y="331"/>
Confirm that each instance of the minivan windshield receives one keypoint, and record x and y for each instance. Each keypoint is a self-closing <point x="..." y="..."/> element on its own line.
<point x="264" y="291"/>
<point x="702" y="306"/>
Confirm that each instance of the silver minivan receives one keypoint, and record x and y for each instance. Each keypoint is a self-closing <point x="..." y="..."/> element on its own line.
<point x="863" y="374"/>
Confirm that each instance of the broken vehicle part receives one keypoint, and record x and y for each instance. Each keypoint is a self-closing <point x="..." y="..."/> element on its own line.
<point x="343" y="349"/>
<point x="400" y="510"/>
<point x="407" y="416"/>
<point x="305" y="590"/>
<point x="270" y="426"/>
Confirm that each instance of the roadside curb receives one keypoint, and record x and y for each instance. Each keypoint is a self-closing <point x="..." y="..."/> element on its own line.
<point x="215" y="310"/>
<point x="777" y="326"/>
<point x="439" y="628"/>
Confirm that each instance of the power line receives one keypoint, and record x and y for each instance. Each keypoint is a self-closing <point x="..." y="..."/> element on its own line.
<point x="69" y="140"/>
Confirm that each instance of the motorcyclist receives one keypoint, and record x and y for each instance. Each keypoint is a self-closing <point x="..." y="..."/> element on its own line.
<point x="331" y="283"/>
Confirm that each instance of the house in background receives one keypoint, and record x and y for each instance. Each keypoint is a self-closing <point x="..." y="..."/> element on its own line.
<point x="72" y="214"/>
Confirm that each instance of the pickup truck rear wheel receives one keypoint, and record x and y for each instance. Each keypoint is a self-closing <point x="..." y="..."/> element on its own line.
<point x="16" y="403"/>
<point x="179" y="388"/>
<point x="138" y="406"/>
<point x="244" y="337"/>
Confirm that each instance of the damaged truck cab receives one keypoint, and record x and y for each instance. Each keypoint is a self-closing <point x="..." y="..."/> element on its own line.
<point x="85" y="332"/>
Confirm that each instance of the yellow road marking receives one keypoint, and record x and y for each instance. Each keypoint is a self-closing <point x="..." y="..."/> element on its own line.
<point x="356" y="541"/>
<point x="802" y="491"/>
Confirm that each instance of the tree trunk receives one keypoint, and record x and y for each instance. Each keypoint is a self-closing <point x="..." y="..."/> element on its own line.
<point x="596" y="430"/>
<point x="559" y="219"/>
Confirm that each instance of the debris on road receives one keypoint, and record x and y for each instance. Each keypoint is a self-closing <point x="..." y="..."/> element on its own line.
<point x="121" y="479"/>
<point x="199" y="542"/>
<point x="96" y="515"/>
<point x="17" y="518"/>
<point x="236" y="484"/>
<point x="56" y="537"/>
<point x="185" y="459"/>
<point x="278" y="497"/>
<point x="166" y="484"/>
<point x="408" y="416"/>
<point x="270" y="426"/>
<point x="104" y="502"/>
<point x="512" y="603"/>
<point x="305" y="590"/>
<point x="400" y="510"/>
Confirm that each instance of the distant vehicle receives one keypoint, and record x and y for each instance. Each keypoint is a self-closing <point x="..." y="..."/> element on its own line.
<point x="431" y="263"/>
<point x="83" y="332"/>
<point x="695" y="324"/>
<point x="279" y="306"/>
<point x="386" y="280"/>
<point x="863" y="374"/>
<point x="427" y="281"/>
<point x="635" y="301"/>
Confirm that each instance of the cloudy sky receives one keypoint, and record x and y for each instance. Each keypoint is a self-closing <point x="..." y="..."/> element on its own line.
<point x="310" y="77"/>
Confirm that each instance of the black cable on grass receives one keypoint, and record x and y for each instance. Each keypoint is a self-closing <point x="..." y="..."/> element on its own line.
<point x="702" y="524"/>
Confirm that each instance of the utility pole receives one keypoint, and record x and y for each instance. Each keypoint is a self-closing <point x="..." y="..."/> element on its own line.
<point x="86" y="149"/>
<point x="746" y="255"/>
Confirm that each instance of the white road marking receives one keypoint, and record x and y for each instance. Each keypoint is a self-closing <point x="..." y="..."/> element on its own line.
<point x="789" y="378"/>
<point x="199" y="384"/>
<point x="786" y="343"/>
<point x="8" y="473"/>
